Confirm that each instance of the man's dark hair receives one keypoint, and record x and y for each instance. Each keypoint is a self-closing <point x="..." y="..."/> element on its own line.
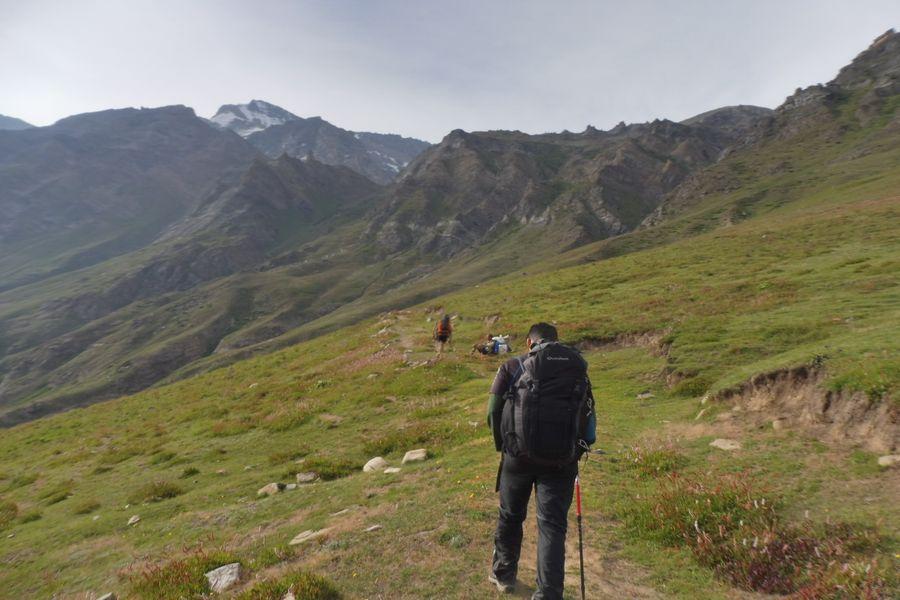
<point x="543" y="331"/>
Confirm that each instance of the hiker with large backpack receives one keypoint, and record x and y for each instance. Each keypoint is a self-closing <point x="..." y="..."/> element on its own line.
<point x="443" y="333"/>
<point x="542" y="416"/>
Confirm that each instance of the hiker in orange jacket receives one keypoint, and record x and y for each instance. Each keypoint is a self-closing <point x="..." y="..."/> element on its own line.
<point x="443" y="333"/>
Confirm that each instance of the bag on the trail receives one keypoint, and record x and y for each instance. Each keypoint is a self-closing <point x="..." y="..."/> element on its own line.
<point x="501" y="344"/>
<point x="548" y="407"/>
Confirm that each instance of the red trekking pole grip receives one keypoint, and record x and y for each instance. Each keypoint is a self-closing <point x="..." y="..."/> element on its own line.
<point x="577" y="496"/>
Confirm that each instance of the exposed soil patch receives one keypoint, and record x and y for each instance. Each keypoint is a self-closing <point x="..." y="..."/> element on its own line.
<point x="797" y="398"/>
<point x="654" y="341"/>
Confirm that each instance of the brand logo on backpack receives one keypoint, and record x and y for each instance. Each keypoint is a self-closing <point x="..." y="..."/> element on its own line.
<point x="547" y="408"/>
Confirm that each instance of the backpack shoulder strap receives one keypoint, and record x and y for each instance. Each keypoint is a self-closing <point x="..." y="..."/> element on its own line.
<point x="518" y="373"/>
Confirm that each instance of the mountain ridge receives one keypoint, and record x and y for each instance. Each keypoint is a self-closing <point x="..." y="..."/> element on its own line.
<point x="276" y="131"/>
<point x="13" y="124"/>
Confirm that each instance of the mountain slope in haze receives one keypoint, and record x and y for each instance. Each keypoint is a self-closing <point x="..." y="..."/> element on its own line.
<point x="238" y="273"/>
<point x="125" y="307"/>
<point x="96" y="185"/>
<point x="475" y="206"/>
<point x="275" y="131"/>
<point x="13" y="124"/>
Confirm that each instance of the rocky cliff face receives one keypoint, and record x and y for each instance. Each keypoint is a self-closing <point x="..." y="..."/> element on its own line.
<point x="472" y="187"/>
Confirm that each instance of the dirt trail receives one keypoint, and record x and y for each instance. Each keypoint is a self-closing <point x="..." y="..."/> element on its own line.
<point x="606" y="576"/>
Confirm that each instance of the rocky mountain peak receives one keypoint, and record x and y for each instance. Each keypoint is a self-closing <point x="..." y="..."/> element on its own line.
<point x="878" y="65"/>
<point x="246" y="119"/>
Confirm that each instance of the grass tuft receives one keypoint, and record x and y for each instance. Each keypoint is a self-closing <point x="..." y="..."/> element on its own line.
<point x="304" y="586"/>
<point x="155" y="492"/>
<point x="179" y="578"/>
<point x="734" y="529"/>
<point x="9" y="510"/>
<point x="85" y="507"/>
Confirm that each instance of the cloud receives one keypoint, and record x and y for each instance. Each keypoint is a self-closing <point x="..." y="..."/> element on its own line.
<point x="424" y="68"/>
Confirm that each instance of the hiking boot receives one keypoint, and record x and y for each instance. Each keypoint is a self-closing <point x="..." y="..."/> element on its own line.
<point x="503" y="586"/>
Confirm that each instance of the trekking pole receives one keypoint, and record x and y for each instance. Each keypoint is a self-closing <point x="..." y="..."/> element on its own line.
<point x="580" y="542"/>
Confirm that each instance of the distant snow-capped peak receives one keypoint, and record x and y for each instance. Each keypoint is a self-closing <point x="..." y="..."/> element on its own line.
<point x="254" y="116"/>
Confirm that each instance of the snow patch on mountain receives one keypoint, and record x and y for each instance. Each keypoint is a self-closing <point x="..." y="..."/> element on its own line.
<point x="256" y="115"/>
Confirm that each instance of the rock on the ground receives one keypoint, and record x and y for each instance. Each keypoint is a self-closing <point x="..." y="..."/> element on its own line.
<point x="134" y="519"/>
<point x="779" y="424"/>
<point x="645" y="395"/>
<point x="307" y="477"/>
<point x="415" y="456"/>
<point x="224" y="577"/>
<point x="392" y="470"/>
<point x="309" y="534"/>
<point x="109" y="596"/>
<point x="291" y="486"/>
<point x="725" y="444"/>
<point x="889" y="460"/>
<point x="375" y="464"/>
<point x="289" y="596"/>
<point x="270" y="489"/>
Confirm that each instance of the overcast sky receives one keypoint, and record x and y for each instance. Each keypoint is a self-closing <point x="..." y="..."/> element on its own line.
<point x="423" y="68"/>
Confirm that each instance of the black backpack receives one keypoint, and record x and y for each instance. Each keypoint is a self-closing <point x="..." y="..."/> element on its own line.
<point x="548" y="406"/>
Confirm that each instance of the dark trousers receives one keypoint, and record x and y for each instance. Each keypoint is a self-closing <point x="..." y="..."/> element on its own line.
<point x="553" y="494"/>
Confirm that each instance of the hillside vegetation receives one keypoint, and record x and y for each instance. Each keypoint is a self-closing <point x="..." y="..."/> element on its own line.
<point x="812" y="282"/>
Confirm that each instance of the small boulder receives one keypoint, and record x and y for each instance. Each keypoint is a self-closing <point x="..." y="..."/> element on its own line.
<point x="224" y="577"/>
<point x="109" y="596"/>
<point x="415" y="456"/>
<point x="291" y="486"/>
<point x="889" y="460"/>
<point x="309" y="534"/>
<point x="392" y="470"/>
<point x="307" y="477"/>
<point x="646" y="395"/>
<point x="133" y="520"/>
<point x="724" y="444"/>
<point x="270" y="489"/>
<point x="375" y="464"/>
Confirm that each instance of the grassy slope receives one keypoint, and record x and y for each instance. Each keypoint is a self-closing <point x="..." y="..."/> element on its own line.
<point x="815" y="277"/>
